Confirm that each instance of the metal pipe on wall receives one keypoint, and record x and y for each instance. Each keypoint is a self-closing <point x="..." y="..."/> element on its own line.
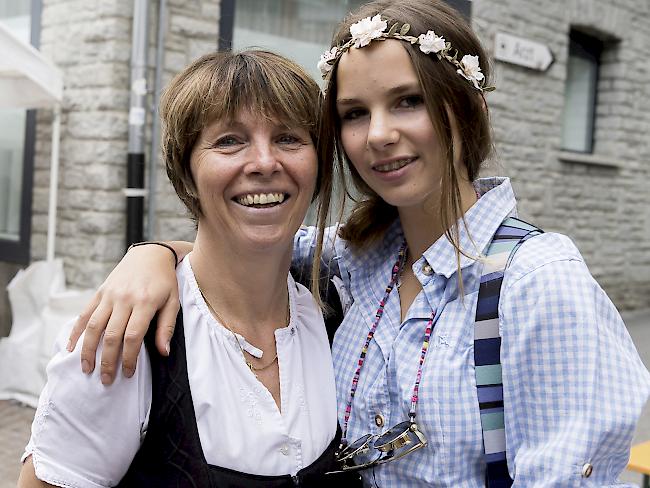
<point x="155" y="125"/>
<point x="135" y="191"/>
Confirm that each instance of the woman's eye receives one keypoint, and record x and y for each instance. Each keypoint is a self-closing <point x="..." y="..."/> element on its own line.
<point x="354" y="114"/>
<point x="226" y="142"/>
<point x="289" y="139"/>
<point x="411" y="101"/>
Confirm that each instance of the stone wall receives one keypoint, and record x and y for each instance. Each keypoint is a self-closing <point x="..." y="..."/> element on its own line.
<point x="604" y="208"/>
<point x="91" y="42"/>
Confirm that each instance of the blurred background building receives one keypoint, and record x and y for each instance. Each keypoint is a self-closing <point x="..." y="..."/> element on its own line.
<point x="571" y="117"/>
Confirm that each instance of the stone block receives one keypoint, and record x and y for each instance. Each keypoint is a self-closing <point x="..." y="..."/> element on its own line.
<point x="199" y="47"/>
<point x="98" y="223"/>
<point x="193" y="27"/>
<point x="97" y="99"/>
<point x="175" y="61"/>
<point x="103" y="125"/>
<point x="96" y="200"/>
<point x="175" y="228"/>
<point x="95" y="74"/>
<point x="97" y="177"/>
<point x="90" y="152"/>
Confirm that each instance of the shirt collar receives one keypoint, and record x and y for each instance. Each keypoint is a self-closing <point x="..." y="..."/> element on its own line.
<point x="496" y="202"/>
<point x="483" y="219"/>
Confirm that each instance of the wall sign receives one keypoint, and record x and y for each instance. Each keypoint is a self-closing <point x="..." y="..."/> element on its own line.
<point x="522" y="52"/>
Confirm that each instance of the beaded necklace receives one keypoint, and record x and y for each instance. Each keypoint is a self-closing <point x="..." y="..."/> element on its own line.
<point x="397" y="270"/>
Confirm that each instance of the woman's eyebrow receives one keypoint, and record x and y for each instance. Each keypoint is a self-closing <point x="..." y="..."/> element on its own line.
<point x="396" y="90"/>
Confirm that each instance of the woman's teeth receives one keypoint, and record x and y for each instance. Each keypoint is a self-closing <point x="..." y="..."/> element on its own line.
<point x="394" y="165"/>
<point x="260" y="199"/>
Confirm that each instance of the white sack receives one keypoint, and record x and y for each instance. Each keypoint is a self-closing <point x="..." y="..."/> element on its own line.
<point x="40" y="306"/>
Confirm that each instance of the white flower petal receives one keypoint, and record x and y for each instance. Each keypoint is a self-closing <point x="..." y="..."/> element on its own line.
<point x="366" y="30"/>
<point x="431" y="43"/>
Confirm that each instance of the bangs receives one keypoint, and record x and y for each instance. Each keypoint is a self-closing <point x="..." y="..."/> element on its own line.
<point x="254" y="84"/>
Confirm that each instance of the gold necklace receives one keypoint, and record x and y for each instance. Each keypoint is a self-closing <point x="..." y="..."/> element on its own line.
<point x="223" y="322"/>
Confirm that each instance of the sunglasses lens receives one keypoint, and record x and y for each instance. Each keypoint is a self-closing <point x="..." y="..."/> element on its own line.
<point x="394" y="438"/>
<point x="359" y="446"/>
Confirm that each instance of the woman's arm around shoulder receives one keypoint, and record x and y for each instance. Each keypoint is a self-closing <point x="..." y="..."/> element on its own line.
<point x="574" y="385"/>
<point x="141" y="285"/>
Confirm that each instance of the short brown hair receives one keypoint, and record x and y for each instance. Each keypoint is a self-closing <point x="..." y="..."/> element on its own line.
<point x="219" y="85"/>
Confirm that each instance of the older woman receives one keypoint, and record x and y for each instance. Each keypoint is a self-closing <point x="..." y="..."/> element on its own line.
<point x="246" y="396"/>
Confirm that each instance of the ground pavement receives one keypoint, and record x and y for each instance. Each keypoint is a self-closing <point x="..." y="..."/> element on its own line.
<point x="15" y="419"/>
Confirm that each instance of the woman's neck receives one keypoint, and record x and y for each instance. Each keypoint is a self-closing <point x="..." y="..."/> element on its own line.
<point x="422" y="225"/>
<point x="248" y="289"/>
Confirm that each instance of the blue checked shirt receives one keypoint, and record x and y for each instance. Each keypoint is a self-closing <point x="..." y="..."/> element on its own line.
<point x="574" y="385"/>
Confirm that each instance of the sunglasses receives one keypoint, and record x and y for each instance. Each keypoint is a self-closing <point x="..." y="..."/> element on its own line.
<point x="373" y="450"/>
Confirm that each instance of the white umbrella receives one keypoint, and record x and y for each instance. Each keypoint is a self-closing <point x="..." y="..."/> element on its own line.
<point x="28" y="80"/>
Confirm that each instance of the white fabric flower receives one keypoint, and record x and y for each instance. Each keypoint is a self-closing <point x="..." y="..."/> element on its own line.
<point x="431" y="43"/>
<point x="366" y="30"/>
<point x="471" y="70"/>
<point x="323" y="65"/>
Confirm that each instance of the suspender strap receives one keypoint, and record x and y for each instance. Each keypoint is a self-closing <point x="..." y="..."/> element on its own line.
<point x="487" y="347"/>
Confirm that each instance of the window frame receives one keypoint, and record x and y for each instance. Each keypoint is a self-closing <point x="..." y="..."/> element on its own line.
<point x="19" y="251"/>
<point x="227" y="19"/>
<point x="588" y="48"/>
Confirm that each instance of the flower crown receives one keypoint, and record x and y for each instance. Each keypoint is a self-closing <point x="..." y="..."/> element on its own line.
<point x="371" y="29"/>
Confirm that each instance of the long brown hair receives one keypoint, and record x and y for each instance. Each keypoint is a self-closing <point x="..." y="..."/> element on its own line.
<point x="457" y="111"/>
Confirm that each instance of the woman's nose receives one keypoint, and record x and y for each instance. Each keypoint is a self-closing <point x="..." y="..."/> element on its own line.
<point x="381" y="132"/>
<point x="264" y="160"/>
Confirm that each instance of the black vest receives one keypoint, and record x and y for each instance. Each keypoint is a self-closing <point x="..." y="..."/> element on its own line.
<point x="171" y="454"/>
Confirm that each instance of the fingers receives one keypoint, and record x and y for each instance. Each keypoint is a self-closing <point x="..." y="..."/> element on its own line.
<point x="94" y="328"/>
<point x="112" y="342"/>
<point x="82" y="321"/>
<point x="167" y="323"/>
<point x="136" y="329"/>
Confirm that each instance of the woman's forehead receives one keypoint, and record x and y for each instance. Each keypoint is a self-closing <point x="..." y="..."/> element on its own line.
<point x="384" y="65"/>
<point x="250" y="117"/>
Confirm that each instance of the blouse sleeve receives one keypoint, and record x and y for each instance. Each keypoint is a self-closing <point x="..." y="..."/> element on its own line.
<point x="304" y="247"/>
<point x="85" y="434"/>
<point x="574" y="385"/>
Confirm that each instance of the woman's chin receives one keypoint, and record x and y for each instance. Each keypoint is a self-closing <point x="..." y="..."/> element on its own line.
<point x="265" y="238"/>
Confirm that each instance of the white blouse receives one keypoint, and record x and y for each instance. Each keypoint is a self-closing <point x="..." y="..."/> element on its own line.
<point x="85" y="434"/>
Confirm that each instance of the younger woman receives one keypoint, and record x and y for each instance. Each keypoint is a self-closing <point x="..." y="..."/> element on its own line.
<point x="449" y="370"/>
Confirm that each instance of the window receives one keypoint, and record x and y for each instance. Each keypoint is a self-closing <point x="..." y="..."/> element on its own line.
<point x="298" y="29"/>
<point x="17" y="128"/>
<point x="580" y="92"/>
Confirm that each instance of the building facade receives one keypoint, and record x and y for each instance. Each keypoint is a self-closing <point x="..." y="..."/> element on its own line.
<point x="573" y="136"/>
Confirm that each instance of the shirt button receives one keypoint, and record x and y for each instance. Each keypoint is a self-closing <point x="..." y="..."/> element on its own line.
<point x="379" y="420"/>
<point x="427" y="269"/>
<point x="284" y="450"/>
<point x="587" y="469"/>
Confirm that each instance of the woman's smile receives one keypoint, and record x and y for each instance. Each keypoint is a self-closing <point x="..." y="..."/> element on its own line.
<point x="255" y="179"/>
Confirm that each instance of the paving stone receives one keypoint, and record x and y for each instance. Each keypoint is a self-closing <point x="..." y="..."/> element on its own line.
<point x="15" y="424"/>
